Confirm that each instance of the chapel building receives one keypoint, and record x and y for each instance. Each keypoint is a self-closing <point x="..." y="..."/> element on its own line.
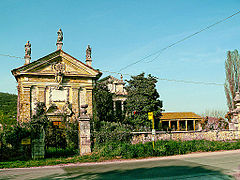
<point x="59" y="80"/>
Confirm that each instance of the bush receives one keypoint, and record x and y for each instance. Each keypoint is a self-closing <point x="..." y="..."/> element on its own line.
<point x="111" y="132"/>
<point x="162" y="148"/>
<point x="52" y="152"/>
<point x="10" y="143"/>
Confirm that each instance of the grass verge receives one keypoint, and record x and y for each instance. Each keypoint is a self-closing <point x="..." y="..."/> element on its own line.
<point x="114" y="150"/>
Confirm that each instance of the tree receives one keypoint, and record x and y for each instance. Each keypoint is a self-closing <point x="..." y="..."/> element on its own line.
<point x="102" y="105"/>
<point x="39" y="121"/>
<point x="214" y="113"/>
<point x="142" y="98"/>
<point x="232" y="69"/>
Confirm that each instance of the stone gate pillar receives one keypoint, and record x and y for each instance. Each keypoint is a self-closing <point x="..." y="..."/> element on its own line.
<point x="235" y="125"/>
<point x="84" y="131"/>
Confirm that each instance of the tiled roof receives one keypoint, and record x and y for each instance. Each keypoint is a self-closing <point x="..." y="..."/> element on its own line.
<point x="179" y="115"/>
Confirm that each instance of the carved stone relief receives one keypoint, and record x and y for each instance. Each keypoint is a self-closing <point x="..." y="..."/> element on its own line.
<point x="59" y="69"/>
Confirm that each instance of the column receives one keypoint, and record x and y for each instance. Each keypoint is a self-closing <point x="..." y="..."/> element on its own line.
<point x="82" y="99"/>
<point x="84" y="135"/>
<point x="178" y="125"/>
<point x="169" y="123"/>
<point x="194" y="125"/>
<point x="75" y="100"/>
<point x="186" y="125"/>
<point x="25" y="104"/>
<point x="18" y="103"/>
<point x="41" y="93"/>
<point x="89" y="100"/>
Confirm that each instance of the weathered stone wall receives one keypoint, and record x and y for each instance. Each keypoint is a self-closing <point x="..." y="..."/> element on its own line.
<point x="195" y="135"/>
<point x="36" y="89"/>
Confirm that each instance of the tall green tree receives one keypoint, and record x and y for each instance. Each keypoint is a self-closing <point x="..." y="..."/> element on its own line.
<point x="232" y="69"/>
<point x="102" y="104"/>
<point x="142" y="98"/>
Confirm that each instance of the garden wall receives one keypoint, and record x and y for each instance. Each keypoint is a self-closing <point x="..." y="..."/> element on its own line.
<point x="191" y="135"/>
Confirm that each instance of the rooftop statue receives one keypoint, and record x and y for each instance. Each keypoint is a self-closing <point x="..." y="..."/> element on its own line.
<point x="88" y="52"/>
<point x="28" y="49"/>
<point x="60" y="35"/>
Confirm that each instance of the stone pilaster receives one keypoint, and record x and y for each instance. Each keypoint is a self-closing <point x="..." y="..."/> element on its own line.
<point x="75" y="100"/>
<point x="25" y="106"/>
<point x="18" y="102"/>
<point x="41" y="94"/>
<point x="89" y="101"/>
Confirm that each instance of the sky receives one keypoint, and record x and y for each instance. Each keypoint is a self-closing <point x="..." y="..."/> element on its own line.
<point x="122" y="32"/>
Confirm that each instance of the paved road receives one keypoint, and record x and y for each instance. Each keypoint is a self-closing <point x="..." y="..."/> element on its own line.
<point x="214" y="165"/>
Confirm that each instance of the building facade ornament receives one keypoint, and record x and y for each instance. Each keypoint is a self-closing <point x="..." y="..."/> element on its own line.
<point x="59" y="39"/>
<point x="59" y="69"/>
<point x="27" y="56"/>
<point x="63" y="83"/>
<point x="89" y="56"/>
<point x="88" y="52"/>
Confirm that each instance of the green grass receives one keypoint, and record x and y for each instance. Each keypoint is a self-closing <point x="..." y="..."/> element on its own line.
<point x="52" y="161"/>
<point x="113" y="150"/>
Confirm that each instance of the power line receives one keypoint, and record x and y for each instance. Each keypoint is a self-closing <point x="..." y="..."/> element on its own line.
<point x="172" y="80"/>
<point x="7" y="55"/>
<point x="173" y="44"/>
<point x="161" y="79"/>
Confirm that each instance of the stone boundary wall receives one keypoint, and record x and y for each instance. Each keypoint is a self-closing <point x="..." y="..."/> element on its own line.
<point x="142" y="137"/>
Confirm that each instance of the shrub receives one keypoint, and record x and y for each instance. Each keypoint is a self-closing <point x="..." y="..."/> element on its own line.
<point x="60" y="152"/>
<point x="10" y="142"/>
<point x="111" y="132"/>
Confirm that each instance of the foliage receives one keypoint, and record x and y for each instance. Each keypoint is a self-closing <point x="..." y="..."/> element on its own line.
<point x="39" y="120"/>
<point x="126" y="150"/>
<point x="63" y="136"/>
<point x="60" y="152"/>
<point x="102" y="105"/>
<point x="232" y="70"/>
<point x="164" y="148"/>
<point x="8" y="108"/>
<point x="10" y="141"/>
<point x="111" y="132"/>
<point x="142" y="98"/>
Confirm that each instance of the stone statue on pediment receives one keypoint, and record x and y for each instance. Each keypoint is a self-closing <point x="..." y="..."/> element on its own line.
<point x="60" y="36"/>
<point x="59" y="72"/>
<point x="88" y="52"/>
<point x="28" y="49"/>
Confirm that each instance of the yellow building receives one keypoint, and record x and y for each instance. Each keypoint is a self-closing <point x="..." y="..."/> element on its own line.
<point x="181" y="121"/>
<point x="61" y="81"/>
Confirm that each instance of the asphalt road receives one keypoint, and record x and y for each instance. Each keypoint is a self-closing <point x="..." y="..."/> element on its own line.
<point x="214" y="165"/>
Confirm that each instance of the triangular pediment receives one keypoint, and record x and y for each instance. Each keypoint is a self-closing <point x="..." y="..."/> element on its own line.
<point x="47" y="66"/>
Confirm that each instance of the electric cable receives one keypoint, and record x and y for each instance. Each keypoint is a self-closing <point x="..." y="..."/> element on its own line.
<point x="181" y="40"/>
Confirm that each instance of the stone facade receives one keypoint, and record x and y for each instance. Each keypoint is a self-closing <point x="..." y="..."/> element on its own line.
<point x="62" y="82"/>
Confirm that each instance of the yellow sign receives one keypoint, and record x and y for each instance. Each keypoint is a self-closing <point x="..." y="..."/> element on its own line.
<point x="150" y="115"/>
<point x="26" y="141"/>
